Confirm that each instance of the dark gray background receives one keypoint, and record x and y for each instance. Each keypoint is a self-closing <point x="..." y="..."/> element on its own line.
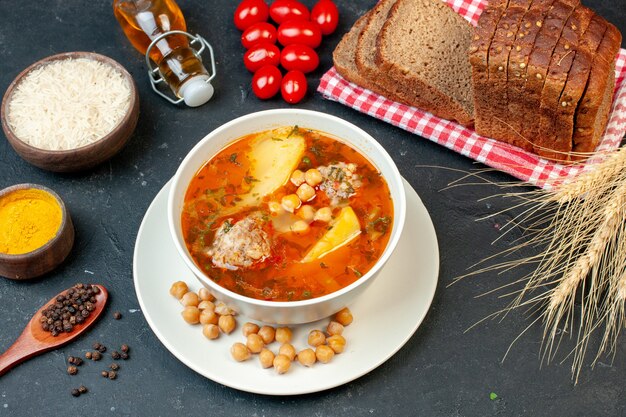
<point x="441" y="370"/>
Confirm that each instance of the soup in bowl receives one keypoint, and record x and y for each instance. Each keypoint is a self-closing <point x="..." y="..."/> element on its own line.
<point x="286" y="215"/>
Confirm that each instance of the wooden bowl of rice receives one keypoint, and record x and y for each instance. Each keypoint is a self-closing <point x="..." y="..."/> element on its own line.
<point x="70" y="112"/>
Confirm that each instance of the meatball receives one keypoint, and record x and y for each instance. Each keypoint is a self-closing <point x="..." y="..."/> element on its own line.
<point x="242" y="244"/>
<point x="339" y="182"/>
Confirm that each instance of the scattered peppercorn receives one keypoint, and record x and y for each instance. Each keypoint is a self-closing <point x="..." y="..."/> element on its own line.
<point x="105" y="374"/>
<point x="102" y="349"/>
<point x="69" y="309"/>
<point x="83" y="389"/>
<point x="114" y="366"/>
<point x="72" y="370"/>
<point x="75" y="392"/>
<point x="117" y="315"/>
<point x="75" y="360"/>
<point x="112" y="375"/>
<point x="96" y="356"/>
<point x="115" y="354"/>
<point x="124" y="355"/>
<point x="88" y="355"/>
<point x="125" y="348"/>
<point x="96" y="345"/>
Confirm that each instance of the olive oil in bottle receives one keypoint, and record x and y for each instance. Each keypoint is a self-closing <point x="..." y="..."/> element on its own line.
<point x="158" y="28"/>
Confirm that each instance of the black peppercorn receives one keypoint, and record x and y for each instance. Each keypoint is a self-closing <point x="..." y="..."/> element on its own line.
<point x="102" y="349"/>
<point x="124" y="348"/>
<point x="117" y="315"/>
<point x="115" y="354"/>
<point x="105" y="374"/>
<point x="83" y="389"/>
<point x="72" y="370"/>
<point x="96" y="356"/>
<point x="112" y="374"/>
<point x="88" y="355"/>
<point x="96" y="345"/>
<point x="114" y="366"/>
<point x="124" y="355"/>
<point x="75" y="392"/>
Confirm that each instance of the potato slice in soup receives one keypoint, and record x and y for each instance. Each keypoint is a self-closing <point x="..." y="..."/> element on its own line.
<point x="345" y="228"/>
<point x="272" y="160"/>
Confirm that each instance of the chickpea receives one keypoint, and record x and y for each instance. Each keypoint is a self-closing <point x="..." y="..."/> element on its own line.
<point x="211" y="331"/>
<point x="306" y="213"/>
<point x="191" y="314"/>
<point x="208" y="317"/>
<point x="344" y="316"/>
<point x="299" y="226"/>
<point x="206" y="305"/>
<point x="223" y="310"/>
<point x="337" y="343"/>
<point x="205" y="295"/>
<point x="275" y="207"/>
<point x="290" y="202"/>
<point x="316" y="338"/>
<point x="227" y="323"/>
<point x="254" y="342"/>
<point x="313" y="177"/>
<point x="240" y="352"/>
<point x="334" y="328"/>
<point x="288" y="350"/>
<point x="267" y="333"/>
<point x="190" y="299"/>
<point x="307" y="357"/>
<point x="297" y="177"/>
<point x="305" y="192"/>
<point x="281" y="364"/>
<point x="249" y="328"/>
<point x="178" y="289"/>
<point x="266" y="357"/>
<point x="325" y="214"/>
<point x="324" y="353"/>
<point x="283" y="335"/>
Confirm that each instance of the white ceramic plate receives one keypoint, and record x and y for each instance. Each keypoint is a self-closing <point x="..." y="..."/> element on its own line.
<point x="385" y="316"/>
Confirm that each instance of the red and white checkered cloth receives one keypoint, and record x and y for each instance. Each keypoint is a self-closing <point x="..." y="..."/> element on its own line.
<point x="513" y="160"/>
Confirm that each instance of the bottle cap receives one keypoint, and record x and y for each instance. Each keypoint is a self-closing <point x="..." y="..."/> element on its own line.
<point x="196" y="91"/>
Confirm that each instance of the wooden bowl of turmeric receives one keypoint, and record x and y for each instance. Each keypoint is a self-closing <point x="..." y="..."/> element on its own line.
<point x="36" y="231"/>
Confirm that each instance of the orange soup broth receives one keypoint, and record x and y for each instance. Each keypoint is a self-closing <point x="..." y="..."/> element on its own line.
<point x="282" y="277"/>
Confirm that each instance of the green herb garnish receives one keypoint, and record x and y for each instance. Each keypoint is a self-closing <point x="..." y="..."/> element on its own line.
<point x="493" y="396"/>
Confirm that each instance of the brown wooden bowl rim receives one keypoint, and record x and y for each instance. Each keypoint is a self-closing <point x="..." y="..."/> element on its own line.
<point x="6" y="257"/>
<point x="59" y="57"/>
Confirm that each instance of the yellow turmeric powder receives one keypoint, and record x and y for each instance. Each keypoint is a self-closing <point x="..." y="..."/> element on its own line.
<point x="29" y="218"/>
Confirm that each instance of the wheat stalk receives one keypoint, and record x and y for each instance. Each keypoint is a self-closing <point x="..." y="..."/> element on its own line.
<point x="580" y="228"/>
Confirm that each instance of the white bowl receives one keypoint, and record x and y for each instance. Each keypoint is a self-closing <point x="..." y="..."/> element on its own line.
<point x="286" y="312"/>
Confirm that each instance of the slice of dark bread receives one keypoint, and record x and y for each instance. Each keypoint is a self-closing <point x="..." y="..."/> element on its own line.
<point x="423" y="45"/>
<point x="365" y="59"/>
<point x="344" y="54"/>
<point x="499" y="52"/>
<point x="593" y="108"/>
<point x="578" y="78"/>
<point x="479" y="60"/>
<point x="539" y="63"/>
<point x="560" y="64"/>
<point x="518" y="65"/>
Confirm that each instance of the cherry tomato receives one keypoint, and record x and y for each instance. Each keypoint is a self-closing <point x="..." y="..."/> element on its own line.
<point x="259" y="32"/>
<point x="326" y="16"/>
<point x="266" y="82"/>
<point x="299" y="57"/>
<point x="301" y="32"/>
<point x="283" y="10"/>
<point x="261" y="54"/>
<point x="294" y="86"/>
<point x="250" y="12"/>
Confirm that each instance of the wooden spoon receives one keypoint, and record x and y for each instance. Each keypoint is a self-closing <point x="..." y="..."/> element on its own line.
<point x="34" y="340"/>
